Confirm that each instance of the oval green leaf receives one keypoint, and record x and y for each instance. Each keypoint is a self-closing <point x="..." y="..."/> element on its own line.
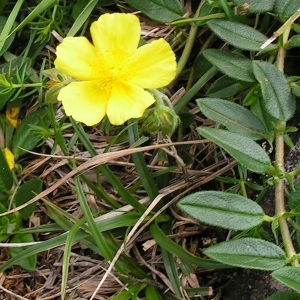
<point x="25" y="193"/>
<point x="244" y="150"/>
<point x="255" y="6"/>
<point x="225" y="87"/>
<point x="285" y="8"/>
<point x="293" y="42"/>
<point x="277" y="97"/>
<point x="232" y="64"/>
<point x="289" y="276"/>
<point x="235" y="117"/>
<point x="222" y="209"/>
<point x="163" y="11"/>
<point x="248" y="253"/>
<point x="239" y="35"/>
<point x="28" y="263"/>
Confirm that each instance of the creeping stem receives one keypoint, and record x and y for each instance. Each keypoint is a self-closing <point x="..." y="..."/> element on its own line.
<point x="279" y="160"/>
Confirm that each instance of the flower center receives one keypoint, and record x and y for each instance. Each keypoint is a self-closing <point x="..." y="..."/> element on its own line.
<point x="112" y="68"/>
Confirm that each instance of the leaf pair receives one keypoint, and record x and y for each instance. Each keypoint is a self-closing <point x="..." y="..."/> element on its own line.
<point x="277" y="98"/>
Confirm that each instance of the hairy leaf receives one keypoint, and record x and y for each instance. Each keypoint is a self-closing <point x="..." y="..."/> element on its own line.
<point x="248" y="253"/>
<point x="239" y="35"/>
<point x="232" y="64"/>
<point x="244" y="150"/>
<point x="222" y="209"/>
<point x="289" y="276"/>
<point x="277" y="97"/>
<point x="163" y="11"/>
<point x="235" y="117"/>
<point x="255" y="6"/>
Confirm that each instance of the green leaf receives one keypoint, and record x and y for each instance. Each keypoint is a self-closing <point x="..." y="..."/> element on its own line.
<point x="284" y="296"/>
<point x="255" y="6"/>
<point x="294" y="196"/>
<point x="24" y="137"/>
<point x="244" y="150"/>
<point x="172" y="247"/>
<point x="235" y="117"/>
<point x="289" y="276"/>
<point x="152" y="293"/>
<point x="6" y="175"/>
<point x="84" y="14"/>
<point x="232" y="64"/>
<point x="225" y="87"/>
<point x="239" y="35"/>
<point x="285" y="8"/>
<point x="248" y="253"/>
<point x="104" y="223"/>
<point x="25" y="193"/>
<point x="293" y="42"/>
<point x="277" y="97"/>
<point x="10" y="39"/>
<point x="38" y="9"/>
<point x="222" y="209"/>
<point x="163" y="11"/>
<point x="28" y="263"/>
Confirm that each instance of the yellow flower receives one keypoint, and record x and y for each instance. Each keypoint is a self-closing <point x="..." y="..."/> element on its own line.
<point x="12" y="116"/>
<point x="113" y="72"/>
<point x="9" y="158"/>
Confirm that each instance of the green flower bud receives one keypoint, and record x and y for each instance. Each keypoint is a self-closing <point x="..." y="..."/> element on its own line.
<point x="160" y="118"/>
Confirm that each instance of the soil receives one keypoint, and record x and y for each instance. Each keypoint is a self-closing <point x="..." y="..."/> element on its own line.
<point x="251" y="285"/>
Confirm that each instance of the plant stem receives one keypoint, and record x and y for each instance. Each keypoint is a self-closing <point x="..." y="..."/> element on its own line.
<point x="279" y="158"/>
<point x="279" y="199"/>
<point x="189" y="44"/>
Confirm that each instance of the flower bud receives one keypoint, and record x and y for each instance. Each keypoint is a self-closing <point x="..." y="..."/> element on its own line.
<point x="160" y="118"/>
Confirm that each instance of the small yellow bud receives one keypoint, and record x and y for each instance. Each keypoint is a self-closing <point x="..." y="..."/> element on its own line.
<point x="9" y="158"/>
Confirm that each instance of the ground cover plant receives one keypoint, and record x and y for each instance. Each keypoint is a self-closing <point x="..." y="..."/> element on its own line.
<point x="138" y="143"/>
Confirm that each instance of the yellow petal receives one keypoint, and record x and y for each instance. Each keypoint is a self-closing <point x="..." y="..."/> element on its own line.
<point x="77" y="58"/>
<point x="9" y="158"/>
<point x="116" y="36"/>
<point x="84" y="101"/>
<point x="153" y="65"/>
<point x="127" y="101"/>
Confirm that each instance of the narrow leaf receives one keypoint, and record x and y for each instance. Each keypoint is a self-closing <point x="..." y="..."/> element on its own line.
<point x="244" y="150"/>
<point x="83" y="16"/>
<point x="239" y="35"/>
<point x="222" y="209"/>
<point x="38" y="9"/>
<point x="289" y="276"/>
<point x="248" y="253"/>
<point x="255" y="6"/>
<point x="235" y="117"/>
<point x="277" y="97"/>
<point x="8" y="26"/>
<point x="7" y="41"/>
<point x="232" y="64"/>
<point x="172" y="247"/>
<point x="163" y="11"/>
